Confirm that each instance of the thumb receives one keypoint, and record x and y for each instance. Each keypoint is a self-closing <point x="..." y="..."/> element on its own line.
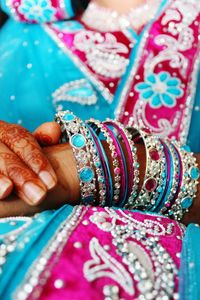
<point x="48" y="134"/>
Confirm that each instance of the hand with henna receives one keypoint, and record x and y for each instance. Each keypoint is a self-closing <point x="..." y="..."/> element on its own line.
<point x="67" y="189"/>
<point x="24" y="169"/>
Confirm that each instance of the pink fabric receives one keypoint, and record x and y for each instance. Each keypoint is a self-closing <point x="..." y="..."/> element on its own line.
<point x="183" y="45"/>
<point x="98" y="224"/>
<point x="161" y="49"/>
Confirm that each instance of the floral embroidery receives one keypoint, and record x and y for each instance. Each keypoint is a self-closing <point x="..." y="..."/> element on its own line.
<point x="37" y="10"/>
<point x="160" y="89"/>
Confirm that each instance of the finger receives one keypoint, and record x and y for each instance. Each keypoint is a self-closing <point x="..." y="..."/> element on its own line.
<point x="6" y="186"/>
<point x="27" y="184"/>
<point x="48" y="134"/>
<point x="22" y="142"/>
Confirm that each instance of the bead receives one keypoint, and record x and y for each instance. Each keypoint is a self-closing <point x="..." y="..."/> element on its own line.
<point x="78" y="141"/>
<point x="58" y="283"/>
<point x="150" y="184"/>
<point x="68" y="117"/>
<point x="86" y="174"/>
<point x="186" y="202"/>
<point x="194" y="173"/>
<point x="154" y="154"/>
<point x="78" y="245"/>
<point x="186" y="148"/>
<point x="117" y="171"/>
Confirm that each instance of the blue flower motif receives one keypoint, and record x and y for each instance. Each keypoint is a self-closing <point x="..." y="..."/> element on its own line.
<point x="37" y="10"/>
<point x="160" y="89"/>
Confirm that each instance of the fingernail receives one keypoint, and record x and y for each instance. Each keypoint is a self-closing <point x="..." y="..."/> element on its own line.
<point x="33" y="192"/>
<point x="5" y="186"/>
<point x="47" y="179"/>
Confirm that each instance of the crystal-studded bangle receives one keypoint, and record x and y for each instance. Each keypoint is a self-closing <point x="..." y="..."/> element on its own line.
<point x="166" y="180"/>
<point x="99" y="170"/>
<point x="74" y="131"/>
<point x="133" y="165"/>
<point x="155" y="167"/>
<point x="188" y="184"/>
<point x="122" y="165"/>
<point x="116" y="167"/>
<point x="108" y="177"/>
<point x="174" y="177"/>
<point x="102" y="171"/>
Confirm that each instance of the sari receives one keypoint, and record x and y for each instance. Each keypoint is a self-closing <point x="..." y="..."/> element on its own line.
<point x="148" y="79"/>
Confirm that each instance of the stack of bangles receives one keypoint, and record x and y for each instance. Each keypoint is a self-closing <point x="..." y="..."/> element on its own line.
<point x="107" y="156"/>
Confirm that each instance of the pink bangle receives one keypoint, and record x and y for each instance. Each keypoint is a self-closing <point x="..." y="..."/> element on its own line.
<point x="133" y="178"/>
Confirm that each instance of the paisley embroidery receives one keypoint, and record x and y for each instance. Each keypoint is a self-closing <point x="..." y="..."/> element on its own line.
<point x="102" y="53"/>
<point x="107" y="221"/>
<point x="178" y="10"/>
<point x="172" y="51"/>
<point x="78" y="91"/>
<point x="104" y="265"/>
<point x="152" y="270"/>
<point x="160" y="89"/>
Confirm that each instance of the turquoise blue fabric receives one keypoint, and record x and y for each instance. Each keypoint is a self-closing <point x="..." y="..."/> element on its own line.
<point x="190" y="265"/>
<point x="32" y="67"/>
<point x="28" y="245"/>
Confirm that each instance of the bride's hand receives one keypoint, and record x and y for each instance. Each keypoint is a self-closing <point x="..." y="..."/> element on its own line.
<point x="67" y="189"/>
<point x="24" y="169"/>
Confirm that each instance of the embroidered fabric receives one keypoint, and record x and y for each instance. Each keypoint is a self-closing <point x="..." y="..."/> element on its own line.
<point x="38" y="11"/>
<point x="109" y="252"/>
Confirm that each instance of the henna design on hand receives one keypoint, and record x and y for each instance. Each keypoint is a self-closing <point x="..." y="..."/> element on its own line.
<point x="23" y="143"/>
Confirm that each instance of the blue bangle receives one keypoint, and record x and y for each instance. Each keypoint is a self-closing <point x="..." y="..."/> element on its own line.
<point x="104" y="190"/>
<point x="100" y="136"/>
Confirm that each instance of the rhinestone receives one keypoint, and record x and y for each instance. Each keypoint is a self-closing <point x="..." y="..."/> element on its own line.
<point x="154" y="154"/>
<point x="78" y="141"/>
<point x="58" y="284"/>
<point x="150" y="184"/>
<point x="77" y="245"/>
<point x="86" y="174"/>
<point x="194" y="173"/>
<point x="68" y="117"/>
<point x="186" y="202"/>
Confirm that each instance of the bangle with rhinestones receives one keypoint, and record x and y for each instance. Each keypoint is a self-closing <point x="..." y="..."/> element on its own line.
<point x="132" y="163"/>
<point x="104" y="135"/>
<point x="74" y="131"/>
<point x="99" y="168"/>
<point x="155" y="167"/>
<point x="174" y="177"/>
<point x="122" y="165"/>
<point x="103" y="177"/>
<point x="188" y="184"/>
